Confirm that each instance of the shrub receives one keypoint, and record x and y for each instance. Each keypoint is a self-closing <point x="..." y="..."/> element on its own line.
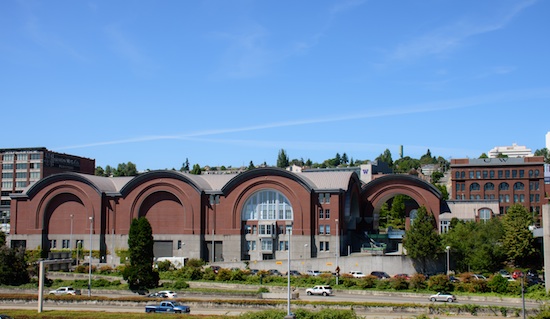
<point x="440" y="283"/>
<point x="165" y="265"/>
<point x="105" y="270"/>
<point x="383" y="284"/>
<point x="237" y="275"/>
<point x="223" y="275"/>
<point x="498" y="284"/>
<point x="367" y="282"/>
<point x="399" y="283"/>
<point x="180" y="284"/>
<point x="417" y="282"/>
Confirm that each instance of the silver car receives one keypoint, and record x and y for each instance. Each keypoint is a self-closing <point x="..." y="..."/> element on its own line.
<point x="443" y="296"/>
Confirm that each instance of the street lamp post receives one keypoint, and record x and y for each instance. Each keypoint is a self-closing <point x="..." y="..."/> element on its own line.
<point x="448" y="249"/>
<point x="71" y="237"/>
<point x="289" y="315"/>
<point x="337" y="252"/>
<point x="90" y="261"/>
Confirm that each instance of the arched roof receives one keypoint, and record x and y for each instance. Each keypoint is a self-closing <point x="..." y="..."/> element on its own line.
<point x="400" y="178"/>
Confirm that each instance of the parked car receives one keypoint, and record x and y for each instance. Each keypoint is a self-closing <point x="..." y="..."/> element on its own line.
<point x="357" y="274"/>
<point x="313" y="273"/>
<point x="380" y="274"/>
<point x="2" y="316"/>
<point x="479" y="277"/>
<point x="254" y="271"/>
<point x="517" y="274"/>
<point x="156" y="295"/>
<point x="215" y="269"/>
<point x="168" y="293"/>
<point x="274" y="272"/>
<point x="294" y="273"/>
<point x="65" y="291"/>
<point x="443" y="296"/>
<point x="453" y="279"/>
<point x="319" y="290"/>
<point x="402" y="276"/>
<point x="504" y="273"/>
<point x="168" y="306"/>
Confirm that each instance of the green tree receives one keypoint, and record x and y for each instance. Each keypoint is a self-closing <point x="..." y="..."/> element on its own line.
<point x="108" y="170"/>
<point x="126" y="169"/>
<point x="282" y="159"/>
<point x="406" y="164"/>
<point x="13" y="267"/>
<point x="518" y="239"/>
<point x="427" y="158"/>
<point x="345" y="158"/>
<point x="2" y="238"/>
<point x="140" y="273"/>
<point x="476" y="246"/>
<point x="544" y="153"/>
<point x="196" y="169"/>
<point x="251" y="166"/>
<point x="386" y="158"/>
<point x="185" y="166"/>
<point x="99" y="171"/>
<point x="483" y="155"/>
<point x="422" y="241"/>
<point x="443" y="190"/>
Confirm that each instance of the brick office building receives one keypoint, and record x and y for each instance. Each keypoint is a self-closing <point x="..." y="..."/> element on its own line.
<point x="23" y="166"/>
<point x="508" y="180"/>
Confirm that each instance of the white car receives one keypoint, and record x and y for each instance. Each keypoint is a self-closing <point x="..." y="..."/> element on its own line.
<point x="313" y="273"/>
<point x="319" y="290"/>
<point x="168" y="294"/>
<point x="443" y="296"/>
<point x="357" y="274"/>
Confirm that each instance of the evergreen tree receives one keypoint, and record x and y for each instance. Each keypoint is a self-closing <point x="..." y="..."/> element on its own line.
<point x="544" y="153"/>
<point x="13" y="267"/>
<point x="251" y="166"/>
<point x="282" y="159"/>
<point x="422" y="241"/>
<point x="386" y="158"/>
<point x="518" y="239"/>
<point x="345" y="158"/>
<point x="99" y="171"/>
<point x="2" y="238"/>
<point x="196" y="169"/>
<point x="140" y="273"/>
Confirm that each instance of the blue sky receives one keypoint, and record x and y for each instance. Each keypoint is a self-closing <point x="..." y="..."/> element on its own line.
<point x="229" y="82"/>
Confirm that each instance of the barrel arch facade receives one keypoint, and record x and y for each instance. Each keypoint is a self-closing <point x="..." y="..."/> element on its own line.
<point x="201" y="216"/>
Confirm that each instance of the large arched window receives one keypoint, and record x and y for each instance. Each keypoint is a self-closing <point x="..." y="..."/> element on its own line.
<point x="267" y="204"/>
<point x="504" y="186"/>
<point x="518" y="186"/>
<point x="474" y="187"/>
<point x="489" y="186"/>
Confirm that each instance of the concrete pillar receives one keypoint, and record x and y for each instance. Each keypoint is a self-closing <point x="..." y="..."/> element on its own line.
<point x="546" y="244"/>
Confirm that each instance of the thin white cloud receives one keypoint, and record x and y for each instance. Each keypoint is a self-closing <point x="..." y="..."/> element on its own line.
<point x="128" y="51"/>
<point x="450" y="37"/>
<point x="437" y="106"/>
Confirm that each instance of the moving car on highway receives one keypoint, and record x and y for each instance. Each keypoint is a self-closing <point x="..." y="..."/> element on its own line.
<point x="168" y="306"/>
<point x="319" y="290"/>
<point x="443" y="296"/>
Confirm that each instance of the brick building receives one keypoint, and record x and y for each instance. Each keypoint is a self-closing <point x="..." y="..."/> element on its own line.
<point x="506" y="180"/>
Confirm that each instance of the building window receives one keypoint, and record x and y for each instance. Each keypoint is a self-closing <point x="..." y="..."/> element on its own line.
<point x="522" y="198"/>
<point x="516" y="198"/>
<point x="489" y="187"/>
<point x="53" y="243"/>
<point x="254" y="229"/>
<point x="21" y="166"/>
<point x="22" y="157"/>
<point x="507" y="173"/>
<point x="321" y="229"/>
<point x="536" y="173"/>
<point x="327" y="198"/>
<point x="530" y="173"/>
<point x="485" y="174"/>
<point x="521" y="173"/>
<point x="457" y="174"/>
<point x="321" y="214"/>
<point x="7" y="166"/>
<point x="507" y="198"/>
<point x="504" y="186"/>
<point x="444" y="226"/>
<point x="478" y="174"/>
<point x="251" y="245"/>
<point x="267" y="205"/>
<point x="283" y="245"/>
<point x="484" y="214"/>
<point x="179" y="244"/>
<point x="248" y="229"/>
<point x="8" y="157"/>
<point x="514" y="173"/>
<point x="518" y="186"/>
<point x="474" y="187"/>
<point x="7" y="185"/>
<point x="266" y="229"/>
<point x="322" y="246"/>
<point x="35" y="156"/>
<point x="327" y="230"/>
<point x="267" y="244"/>
<point x="537" y="198"/>
<point x="327" y="213"/>
<point x="463" y="174"/>
<point x="471" y="174"/>
<point x="66" y="244"/>
<point x="492" y="174"/>
<point x="500" y="174"/>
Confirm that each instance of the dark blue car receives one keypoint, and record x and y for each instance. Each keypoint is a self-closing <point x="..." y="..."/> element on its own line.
<point x="168" y="306"/>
